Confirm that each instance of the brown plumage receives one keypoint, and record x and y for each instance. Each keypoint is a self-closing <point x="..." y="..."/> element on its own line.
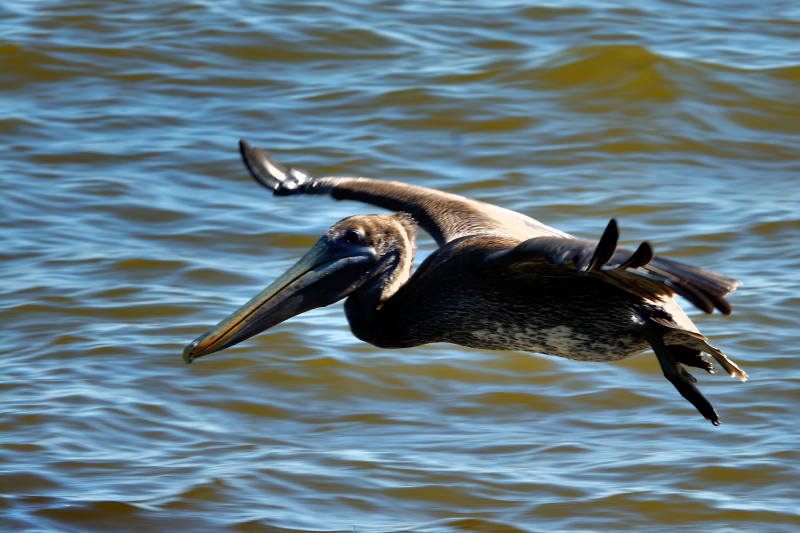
<point x="499" y="280"/>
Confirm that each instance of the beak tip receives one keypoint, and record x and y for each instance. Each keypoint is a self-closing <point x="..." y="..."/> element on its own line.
<point x="188" y="356"/>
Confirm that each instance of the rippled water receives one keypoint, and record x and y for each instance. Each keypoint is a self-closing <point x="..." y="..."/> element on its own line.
<point x="130" y="226"/>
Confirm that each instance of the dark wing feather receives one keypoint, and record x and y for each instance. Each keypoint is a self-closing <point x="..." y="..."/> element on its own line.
<point x="638" y="272"/>
<point x="448" y="217"/>
<point x="445" y="216"/>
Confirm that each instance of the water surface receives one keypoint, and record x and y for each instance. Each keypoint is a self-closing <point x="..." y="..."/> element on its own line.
<point x="130" y="226"/>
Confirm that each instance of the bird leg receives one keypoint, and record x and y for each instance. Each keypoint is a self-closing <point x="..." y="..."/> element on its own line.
<point x="680" y="378"/>
<point x="690" y="357"/>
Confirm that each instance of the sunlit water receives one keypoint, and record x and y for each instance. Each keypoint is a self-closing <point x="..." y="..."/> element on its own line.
<point x="130" y="227"/>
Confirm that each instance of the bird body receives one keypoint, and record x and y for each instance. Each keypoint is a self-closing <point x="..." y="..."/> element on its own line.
<point x="501" y="309"/>
<point x="498" y="281"/>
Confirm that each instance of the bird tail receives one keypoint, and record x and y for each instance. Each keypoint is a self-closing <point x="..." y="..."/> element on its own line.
<point x="679" y="340"/>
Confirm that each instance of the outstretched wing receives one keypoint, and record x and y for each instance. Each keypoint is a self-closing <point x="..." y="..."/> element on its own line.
<point x="638" y="272"/>
<point x="448" y="217"/>
<point x="444" y="216"/>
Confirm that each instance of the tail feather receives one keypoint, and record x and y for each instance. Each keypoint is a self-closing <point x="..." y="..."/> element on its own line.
<point x="684" y="338"/>
<point x="730" y="367"/>
<point x="678" y="336"/>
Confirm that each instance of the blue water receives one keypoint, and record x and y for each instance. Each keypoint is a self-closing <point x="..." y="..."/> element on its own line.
<point x="130" y="226"/>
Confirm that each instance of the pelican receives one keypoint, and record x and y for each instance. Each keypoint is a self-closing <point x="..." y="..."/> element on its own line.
<point x="498" y="281"/>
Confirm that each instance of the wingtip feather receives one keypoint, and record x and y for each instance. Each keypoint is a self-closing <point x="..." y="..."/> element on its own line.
<point x="269" y="173"/>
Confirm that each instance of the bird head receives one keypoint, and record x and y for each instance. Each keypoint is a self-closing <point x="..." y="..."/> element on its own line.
<point x="351" y="253"/>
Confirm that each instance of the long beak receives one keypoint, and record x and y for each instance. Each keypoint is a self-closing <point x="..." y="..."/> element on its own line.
<point x="320" y="278"/>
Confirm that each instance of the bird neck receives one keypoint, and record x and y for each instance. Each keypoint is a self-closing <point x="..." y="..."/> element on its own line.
<point x="363" y="306"/>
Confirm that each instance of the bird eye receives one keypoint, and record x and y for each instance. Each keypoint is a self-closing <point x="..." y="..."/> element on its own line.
<point x="352" y="236"/>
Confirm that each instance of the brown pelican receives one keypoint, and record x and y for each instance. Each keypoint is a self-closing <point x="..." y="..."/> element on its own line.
<point x="498" y="281"/>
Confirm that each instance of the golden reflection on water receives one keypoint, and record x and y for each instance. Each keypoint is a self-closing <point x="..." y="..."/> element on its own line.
<point x="130" y="226"/>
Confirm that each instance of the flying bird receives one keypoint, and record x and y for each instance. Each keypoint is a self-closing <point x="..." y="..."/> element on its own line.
<point x="498" y="281"/>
